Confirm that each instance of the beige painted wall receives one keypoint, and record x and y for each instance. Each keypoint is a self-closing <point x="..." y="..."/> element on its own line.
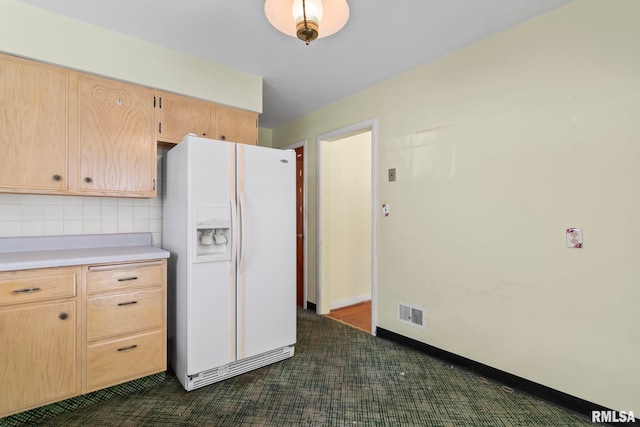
<point x="499" y="148"/>
<point x="265" y="137"/>
<point x="346" y="224"/>
<point x="34" y="33"/>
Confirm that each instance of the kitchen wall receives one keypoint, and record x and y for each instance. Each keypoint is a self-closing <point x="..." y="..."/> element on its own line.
<point x="47" y="215"/>
<point x="265" y="137"/>
<point x="499" y="147"/>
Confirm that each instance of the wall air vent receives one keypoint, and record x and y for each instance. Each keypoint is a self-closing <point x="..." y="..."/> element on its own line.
<point x="414" y="316"/>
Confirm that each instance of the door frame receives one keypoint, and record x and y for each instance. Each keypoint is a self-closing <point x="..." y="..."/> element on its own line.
<point x="305" y="261"/>
<point x="354" y="129"/>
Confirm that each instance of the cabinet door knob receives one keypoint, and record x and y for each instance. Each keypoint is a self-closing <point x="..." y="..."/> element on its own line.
<point x="63" y="316"/>
<point x="222" y="137"/>
<point x="204" y="134"/>
<point x="57" y="178"/>
<point x="88" y="179"/>
<point x="129" y="347"/>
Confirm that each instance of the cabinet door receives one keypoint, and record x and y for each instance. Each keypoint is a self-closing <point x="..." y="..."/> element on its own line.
<point x="179" y="115"/>
<point x="116" y="138"/>
<point x="33" y="126"/>
<point x="236" y="125"/>
<point x="38" y="357"/>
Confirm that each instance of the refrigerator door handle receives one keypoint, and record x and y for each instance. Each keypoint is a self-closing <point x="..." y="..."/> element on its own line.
<point x="243" y="232"/>
<point x="234" y="228"/>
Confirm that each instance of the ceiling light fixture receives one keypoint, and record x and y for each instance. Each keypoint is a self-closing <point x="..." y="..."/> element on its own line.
<point x="307" y="19"/>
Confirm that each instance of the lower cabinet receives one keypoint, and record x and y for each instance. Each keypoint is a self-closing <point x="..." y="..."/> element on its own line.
<point x="38" y="337"/>
<point x="67" y="331"/>
<point x="125" y="322"/>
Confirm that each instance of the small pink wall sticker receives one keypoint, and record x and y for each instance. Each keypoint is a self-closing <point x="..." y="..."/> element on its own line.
<point x="574" y="237"/>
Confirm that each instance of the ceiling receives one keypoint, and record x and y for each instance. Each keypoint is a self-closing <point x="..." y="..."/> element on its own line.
<point x="382" y="39"/>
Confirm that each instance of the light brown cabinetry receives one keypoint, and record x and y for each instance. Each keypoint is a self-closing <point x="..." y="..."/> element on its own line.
<point x="132" y="356"/>
<point x="116" y="138"/>
<point x="125" y="322"/>
<point x="235" y="125"/>
<point x="65" y="132"/>
<point x="70" y="330"/>
<point x="33" y="126"/>
<point x="71" y="133"/>
<point x="38" y="337"/>
<point x="179" y="115"/>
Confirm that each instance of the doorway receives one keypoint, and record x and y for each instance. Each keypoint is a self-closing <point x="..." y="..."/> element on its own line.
<point x="301" y="222"/>
<point x="346" y="220"/>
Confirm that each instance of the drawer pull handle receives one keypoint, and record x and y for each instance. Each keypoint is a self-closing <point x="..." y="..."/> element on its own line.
<point x="26" y="290"/>
<point x="127" y="303"/>
<point x="129" y="347"/>
<point x="127" y="279"/>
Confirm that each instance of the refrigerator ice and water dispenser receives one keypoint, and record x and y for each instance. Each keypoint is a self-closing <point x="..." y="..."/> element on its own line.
<point x="212" y="233"/>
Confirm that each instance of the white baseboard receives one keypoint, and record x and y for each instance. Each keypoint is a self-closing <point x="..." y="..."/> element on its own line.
<point x="349" y="301"/>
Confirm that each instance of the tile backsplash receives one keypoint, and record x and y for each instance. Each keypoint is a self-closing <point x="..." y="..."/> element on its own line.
<point x="46" y="215"/>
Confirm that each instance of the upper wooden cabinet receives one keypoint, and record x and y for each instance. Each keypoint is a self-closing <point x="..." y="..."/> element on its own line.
<point x="116" y="138"/>
<point x="235" y="125"/>
<point x="179" y="115"/>
<point x="72" y="133"/>
<point x="33" y="126"/>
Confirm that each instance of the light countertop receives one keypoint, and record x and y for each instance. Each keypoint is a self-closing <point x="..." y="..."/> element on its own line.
<point x="22" y="253"/>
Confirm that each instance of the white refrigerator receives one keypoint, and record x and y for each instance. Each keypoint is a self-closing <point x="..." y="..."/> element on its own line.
<point x="229" y="223"/>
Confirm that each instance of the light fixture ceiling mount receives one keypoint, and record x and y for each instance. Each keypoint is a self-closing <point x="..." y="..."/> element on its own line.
<point x="307" y="19"/>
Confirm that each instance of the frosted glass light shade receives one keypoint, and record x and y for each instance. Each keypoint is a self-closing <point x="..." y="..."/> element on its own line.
<point x="313" y="9"/>
<point x="335" y="14"/>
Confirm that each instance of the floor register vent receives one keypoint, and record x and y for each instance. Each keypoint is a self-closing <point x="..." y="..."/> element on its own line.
<point x="411" y="315"/>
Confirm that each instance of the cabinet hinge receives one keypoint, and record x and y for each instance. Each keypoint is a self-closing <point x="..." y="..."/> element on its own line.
<point x="154" y="185"/>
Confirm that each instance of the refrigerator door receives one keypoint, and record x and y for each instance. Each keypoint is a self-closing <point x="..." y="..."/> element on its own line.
<point x="210" y="308"/>
<point x="267" y="256"/>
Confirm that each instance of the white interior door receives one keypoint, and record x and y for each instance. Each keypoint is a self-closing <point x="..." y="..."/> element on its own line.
<point x="267" y="260"/>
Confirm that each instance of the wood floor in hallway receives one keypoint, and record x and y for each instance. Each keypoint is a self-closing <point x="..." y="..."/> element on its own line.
<point x="357" y="315"/>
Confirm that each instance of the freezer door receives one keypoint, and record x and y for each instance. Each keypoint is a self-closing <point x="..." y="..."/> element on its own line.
<point x="267" y="256"/>
<point x="210" y="308"/>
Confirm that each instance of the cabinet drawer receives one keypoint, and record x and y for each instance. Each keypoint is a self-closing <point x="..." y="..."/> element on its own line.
<point x="125" y="359"/>
<point x="103" y="278"/>
<point x="112" y="315"/>
<point x="35" y="285"/>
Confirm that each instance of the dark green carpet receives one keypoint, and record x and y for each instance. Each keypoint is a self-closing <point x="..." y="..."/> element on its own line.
<point x="339" y="376"/>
